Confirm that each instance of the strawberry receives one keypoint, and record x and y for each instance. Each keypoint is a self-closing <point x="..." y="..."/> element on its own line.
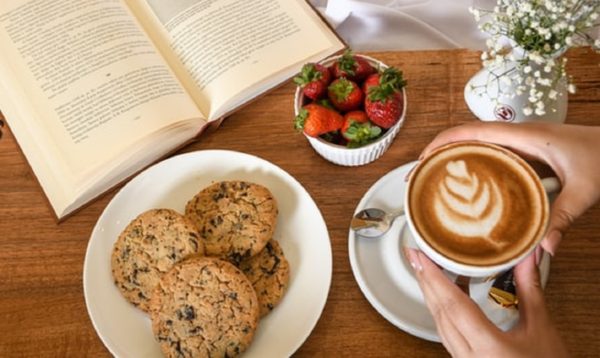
<point x="345" y="94"/>
<point x="314" y="79"/>
<point x="371" y="81"/>
<point x="384" y="101"/>
<point x="316" y="120"/>
<point x="358" y="130"/>
<point x="352" y="67"/>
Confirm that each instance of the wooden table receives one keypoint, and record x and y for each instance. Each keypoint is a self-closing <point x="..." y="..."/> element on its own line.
<point x="42" y="308"/>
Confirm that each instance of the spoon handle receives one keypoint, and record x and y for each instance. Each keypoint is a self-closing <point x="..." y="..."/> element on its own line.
<point x="359" y="223"/>
<point x="395" y="214"/>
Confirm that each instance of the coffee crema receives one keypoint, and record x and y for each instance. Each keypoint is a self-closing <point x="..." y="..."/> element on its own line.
<point x="477" y="204"/>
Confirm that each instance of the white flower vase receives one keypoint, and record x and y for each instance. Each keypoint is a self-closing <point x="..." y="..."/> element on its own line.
<point x="492" y="98"/>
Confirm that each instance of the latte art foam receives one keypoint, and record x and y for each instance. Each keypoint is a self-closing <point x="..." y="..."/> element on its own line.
<point x="467" y="206"/>
<point x="477" y="204"/>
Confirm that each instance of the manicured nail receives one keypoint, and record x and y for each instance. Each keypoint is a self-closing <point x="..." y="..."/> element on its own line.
<point x="553" y="239"/>
<point x="539" y="253"/>
<point x="413" y="258"/>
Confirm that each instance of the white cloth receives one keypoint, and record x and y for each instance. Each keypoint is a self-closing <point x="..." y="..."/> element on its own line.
<point x="376" y="25"/>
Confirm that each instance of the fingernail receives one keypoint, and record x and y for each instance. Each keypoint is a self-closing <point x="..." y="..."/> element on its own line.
<point x="539" y="253"/>
<point x="553" y="240"/>
<point x="413" y="258"/>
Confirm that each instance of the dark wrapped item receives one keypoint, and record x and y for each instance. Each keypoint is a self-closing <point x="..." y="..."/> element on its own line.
<point x="504" y="291"/>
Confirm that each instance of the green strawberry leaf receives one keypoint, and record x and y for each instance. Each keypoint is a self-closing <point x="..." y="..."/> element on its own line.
<point x="308" y="74"/>
<point x="341" y="89"/>
<point x="347" y="63"/>
<point x="360" y="134"/>
<point x="390" y="81"/>
<point x="300" y="120"/>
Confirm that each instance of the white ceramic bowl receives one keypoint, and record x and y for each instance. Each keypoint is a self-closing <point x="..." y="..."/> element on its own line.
<point x="340" y="154"/>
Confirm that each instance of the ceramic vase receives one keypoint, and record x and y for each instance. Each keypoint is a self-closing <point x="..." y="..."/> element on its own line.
<point x="491" y="98"/>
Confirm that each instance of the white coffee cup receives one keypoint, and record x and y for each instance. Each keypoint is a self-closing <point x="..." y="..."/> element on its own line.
<point x="544" y="186"/>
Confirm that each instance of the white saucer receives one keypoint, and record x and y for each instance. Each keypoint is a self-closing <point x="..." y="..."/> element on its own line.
<point x="387" y="280"/>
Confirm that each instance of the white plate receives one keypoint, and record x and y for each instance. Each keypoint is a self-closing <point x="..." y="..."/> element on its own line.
<point x="301" y="231"/>
<point x="387" y="280"/>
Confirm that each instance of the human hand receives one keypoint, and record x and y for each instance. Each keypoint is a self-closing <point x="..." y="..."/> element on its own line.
<point x="464" y="329"/>
<point x="570" y="150"/>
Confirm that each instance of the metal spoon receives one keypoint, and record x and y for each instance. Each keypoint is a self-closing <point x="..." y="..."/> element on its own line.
<point x="373" y="222"/>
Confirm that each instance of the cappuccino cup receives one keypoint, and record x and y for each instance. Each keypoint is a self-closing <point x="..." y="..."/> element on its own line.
<point x="476" y="209"/>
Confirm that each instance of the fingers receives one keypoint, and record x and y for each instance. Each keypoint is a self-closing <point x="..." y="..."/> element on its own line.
<point x="455" y="314"/>
<point x="529" y="290"/>
<point x="511" y="135"/>
<point x="569" y="204"/>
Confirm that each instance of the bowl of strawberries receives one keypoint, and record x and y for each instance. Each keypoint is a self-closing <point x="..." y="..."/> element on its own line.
<point x="349" y="107"/>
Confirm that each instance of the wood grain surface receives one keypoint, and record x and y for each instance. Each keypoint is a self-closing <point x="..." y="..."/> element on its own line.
<point x="42" y="307"/>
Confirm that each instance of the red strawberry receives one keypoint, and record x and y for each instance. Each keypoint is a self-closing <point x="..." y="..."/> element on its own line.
<point x="352" y="67"/>
<point x="314" y="79"/>
<point x="345" y="94"/>
<point x="357" y="116"/>
<point x="384" y="102"/>
<point x="358" y="130"/>
<point x="316" y="120"/>
<point x="371" y="81"/>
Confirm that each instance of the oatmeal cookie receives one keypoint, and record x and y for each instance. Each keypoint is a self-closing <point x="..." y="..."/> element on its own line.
<point x="204" y="307"/>
<point x="147" y="248"/>
<point x="269" y="273"/>
<point x="235" y="219"/>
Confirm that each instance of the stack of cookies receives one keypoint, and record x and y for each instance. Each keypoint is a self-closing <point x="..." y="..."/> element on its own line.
<point x="207" y="276"/>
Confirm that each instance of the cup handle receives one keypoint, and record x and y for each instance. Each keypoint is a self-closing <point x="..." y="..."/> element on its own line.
<point x="551" y="185"/>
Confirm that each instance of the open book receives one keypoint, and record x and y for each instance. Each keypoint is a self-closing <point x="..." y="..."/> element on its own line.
<point x="96" y="90"/>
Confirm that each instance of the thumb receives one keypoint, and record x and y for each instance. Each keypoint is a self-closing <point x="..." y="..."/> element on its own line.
<point x="529" y="290"/>
<point x="561" y="219"/>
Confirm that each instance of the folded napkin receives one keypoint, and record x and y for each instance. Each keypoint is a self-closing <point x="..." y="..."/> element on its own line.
<point x="377" y="25"/>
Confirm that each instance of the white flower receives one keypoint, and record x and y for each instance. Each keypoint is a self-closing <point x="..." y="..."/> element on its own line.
<point x="542" y="30"/>
<point x="569" y="40"/>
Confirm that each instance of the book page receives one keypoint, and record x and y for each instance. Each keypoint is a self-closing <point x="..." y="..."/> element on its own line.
<point x="227" y="47"/>
<point x="87" y="81"/>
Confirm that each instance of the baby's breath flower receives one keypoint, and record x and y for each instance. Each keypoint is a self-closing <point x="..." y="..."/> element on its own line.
<point x="542" y="30"/>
